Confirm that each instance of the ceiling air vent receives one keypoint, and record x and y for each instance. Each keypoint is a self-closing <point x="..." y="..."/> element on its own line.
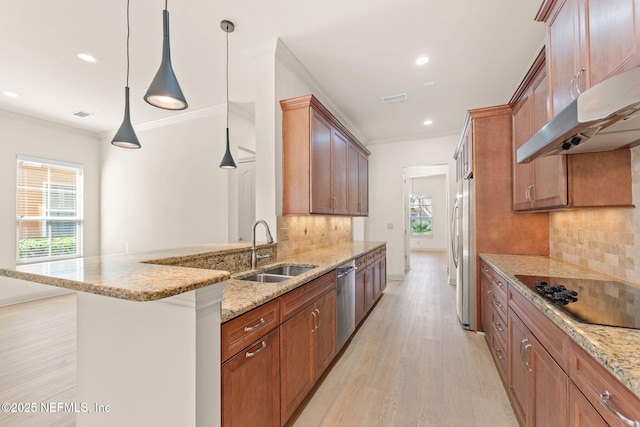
<point x="394" y="98"/>
<point x="81" y="114"/>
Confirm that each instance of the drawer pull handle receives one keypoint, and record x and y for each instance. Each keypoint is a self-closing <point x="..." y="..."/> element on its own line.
<point x="526" y="363"/>
<point x="485" y="269"/>
<point x="521" y="352"/>
<point x="256" y="326"/>
<point x="318" y="318"/>
<point x="498" y="353"/>
<point x="250" y="354"/>
<point x="315" y="321"/>
<point x="498" y="326"/>
<point x="499" y="283"/>
<point x="497" y="304"/>
<point x="604" y="398"/>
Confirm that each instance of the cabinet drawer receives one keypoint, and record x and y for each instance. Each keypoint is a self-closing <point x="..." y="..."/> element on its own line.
<point x="498" y="325"/>
<point x="243" y="330"/>
<point x="499" y="352"/>
<point x="486" y="270"/>
<point x="498" y="301"/>
<point x="371" y="256"/>
<point x="552" y="338"/>
<point x="293" y="302"/>
<point x="593" y="379"/>
<point x="361" y="262"/>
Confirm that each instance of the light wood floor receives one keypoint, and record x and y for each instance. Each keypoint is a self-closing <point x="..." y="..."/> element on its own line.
<point x="412" y="364"/>
<point x="38" y="359"/>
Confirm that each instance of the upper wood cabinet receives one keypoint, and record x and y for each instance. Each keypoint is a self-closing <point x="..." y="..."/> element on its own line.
<point x="587" y="42"/>
<point x="324" y="167"/>
<point x="542" y="183"/>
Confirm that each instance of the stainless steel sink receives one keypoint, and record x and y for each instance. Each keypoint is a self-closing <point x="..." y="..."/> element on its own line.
<point x="289" y="270"/>
<point x="265" y="278"/>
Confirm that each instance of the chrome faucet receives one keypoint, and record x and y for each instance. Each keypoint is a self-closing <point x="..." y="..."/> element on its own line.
<point x="255" y="257"/>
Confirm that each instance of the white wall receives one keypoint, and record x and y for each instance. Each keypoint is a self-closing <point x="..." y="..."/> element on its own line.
<point x="437" y="187"/>
<point x="20" y="135"/>
<point x="171" y="192"/>
<point x="386" y="165"/>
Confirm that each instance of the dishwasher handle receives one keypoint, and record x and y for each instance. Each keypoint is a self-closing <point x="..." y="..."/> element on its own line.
<point x="342" y="273"/>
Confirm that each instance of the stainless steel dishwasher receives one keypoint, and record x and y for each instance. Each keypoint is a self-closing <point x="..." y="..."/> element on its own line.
<point x="345" y="303"/>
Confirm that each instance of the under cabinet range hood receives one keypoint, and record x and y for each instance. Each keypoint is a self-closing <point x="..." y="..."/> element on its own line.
<point x="603" y="118"/>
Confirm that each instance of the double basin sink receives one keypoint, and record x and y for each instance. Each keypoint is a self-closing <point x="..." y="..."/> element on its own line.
<point x="278" y="274"/>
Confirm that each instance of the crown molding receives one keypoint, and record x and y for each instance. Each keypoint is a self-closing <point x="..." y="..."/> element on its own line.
<point x="45" y="123"/>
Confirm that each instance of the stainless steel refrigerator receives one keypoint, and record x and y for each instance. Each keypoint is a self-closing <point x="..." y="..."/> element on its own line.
<point x="462" y="238"/>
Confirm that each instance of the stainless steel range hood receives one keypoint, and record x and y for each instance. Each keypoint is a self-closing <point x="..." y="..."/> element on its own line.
<point x="603" y="118"/>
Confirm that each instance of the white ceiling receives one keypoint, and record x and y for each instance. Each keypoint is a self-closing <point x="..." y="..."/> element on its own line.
<point x="357" y="50"/>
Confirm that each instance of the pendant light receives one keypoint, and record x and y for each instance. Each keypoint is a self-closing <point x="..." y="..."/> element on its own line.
<point x="164" y="91"/>
<point x="227" y="160"/>
<point x="126" y="137"/>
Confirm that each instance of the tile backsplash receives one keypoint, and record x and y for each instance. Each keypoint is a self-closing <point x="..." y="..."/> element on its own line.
<point x="310" y="232"/>
<point x="606" y="240"/>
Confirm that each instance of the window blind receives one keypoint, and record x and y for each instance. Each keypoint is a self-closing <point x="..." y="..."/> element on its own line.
<point x="49" y="209"/>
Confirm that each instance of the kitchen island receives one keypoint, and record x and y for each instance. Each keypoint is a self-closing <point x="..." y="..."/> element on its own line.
<point x="613" y="350"/>
<point x="148" y="325"/>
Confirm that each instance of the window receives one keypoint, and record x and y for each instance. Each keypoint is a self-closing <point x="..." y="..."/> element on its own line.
<point x="420" y="214"/>
<point x="49" y="209"/>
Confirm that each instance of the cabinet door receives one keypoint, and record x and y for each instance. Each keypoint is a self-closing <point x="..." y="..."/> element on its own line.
<point x="321" y="201"/>
<point x="610" y="37"/>
<point x="377" y="282"/>
<point x="253" y="376"/>
<point x="369" y="291"/>
<point x="339" y="172"/>
<point x="548" y="388"/>
<point x="563" y="34"/>
<point x="383" y="271"/>
<point x="353" y="187"/>
<point x="581" y="413"/>
<point x="486" y="308"/>
<point x="363" y="183"/>
<point x="517" y="372"/>
<point x="523" y="177"/>
<point x="325" y="332"/>
<point x="361" y="301"/>
<point x="297" y="370"/>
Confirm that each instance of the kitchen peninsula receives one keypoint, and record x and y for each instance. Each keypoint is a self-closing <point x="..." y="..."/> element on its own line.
<point x="149" y="324"/>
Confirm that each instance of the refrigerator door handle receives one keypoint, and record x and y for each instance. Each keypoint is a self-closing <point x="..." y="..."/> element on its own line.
<point x="455" y="239"/>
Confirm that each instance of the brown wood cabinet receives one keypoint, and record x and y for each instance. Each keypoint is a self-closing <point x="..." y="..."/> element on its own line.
<point x="325" y="168"/>
<point x="551" y="380"/>
<point x="307" y="341"/>
<point x="371" y="280"/>
<point x="494" y="316"/>
<point x="251" y="368"/>
<point x="561" y="181"/>
<point x="588" y="41"/>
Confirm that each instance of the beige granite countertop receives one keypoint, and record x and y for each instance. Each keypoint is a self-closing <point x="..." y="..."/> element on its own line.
<point x="241" y="296"/>
<point x="615" y="348"/>
<point x="135" y="277"/>
<point x="155" y="275"/>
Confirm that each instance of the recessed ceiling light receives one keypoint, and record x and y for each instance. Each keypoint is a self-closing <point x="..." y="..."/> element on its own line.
<point x="427" y="84"/>
<point x="394" y="98"/>
<point x="87" y="58"/>
<point x="422" y="60"/>
<point x="10" y="94"/>
<point x="427" y="122"/>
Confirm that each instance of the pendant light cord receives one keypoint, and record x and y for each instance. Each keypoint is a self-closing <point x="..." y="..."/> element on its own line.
<point x="128" y="31"/>
<point x="227" y="78"/>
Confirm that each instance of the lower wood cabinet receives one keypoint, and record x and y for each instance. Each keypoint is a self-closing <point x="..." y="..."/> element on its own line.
<point x="371" y="280"/>
<point x="308" y="345"/>
<point x="551" y="380"/>
<point x="251" y="385"/>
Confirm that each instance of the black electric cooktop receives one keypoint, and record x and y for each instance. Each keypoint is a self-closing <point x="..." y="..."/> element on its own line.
<point x="601" y="302"/>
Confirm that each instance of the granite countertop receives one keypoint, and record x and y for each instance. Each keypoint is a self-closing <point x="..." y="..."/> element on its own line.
<point x="241" y="296"/>
<point x="615" y="348"/>
<point x="156" y="275"/>
<point x="134" y="277"/>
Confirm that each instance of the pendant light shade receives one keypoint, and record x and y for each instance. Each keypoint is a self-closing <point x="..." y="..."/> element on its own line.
<point x="126" y="137"/>
<point x="227" y="160"/>
<point x="164" y="91"/>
